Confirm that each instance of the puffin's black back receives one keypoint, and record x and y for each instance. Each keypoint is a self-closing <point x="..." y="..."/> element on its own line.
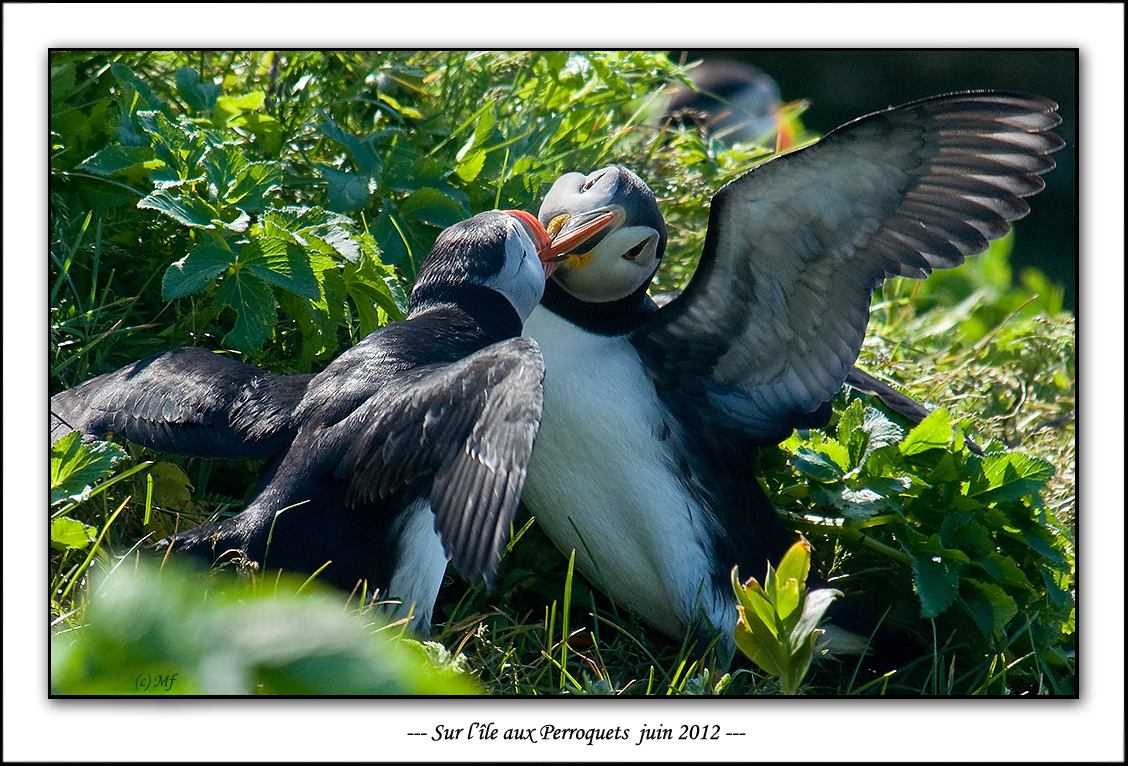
<point x="380" y="431"/>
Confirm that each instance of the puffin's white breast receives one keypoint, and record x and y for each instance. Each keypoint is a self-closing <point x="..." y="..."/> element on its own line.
<point x="602" y="465"/>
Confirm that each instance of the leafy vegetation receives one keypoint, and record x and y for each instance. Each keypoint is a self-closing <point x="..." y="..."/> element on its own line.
<point x="156" y="631"/>
<point x="778" y="624"/>
<point x="275" y="205"/>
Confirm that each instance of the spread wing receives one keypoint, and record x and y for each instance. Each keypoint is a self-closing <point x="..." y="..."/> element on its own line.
<point x="188" y="401"/>
<point x="471" y="424"/>
<point x="773" y="319"/>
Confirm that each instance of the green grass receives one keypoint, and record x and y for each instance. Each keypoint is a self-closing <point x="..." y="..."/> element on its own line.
<point x="383" y="150"/>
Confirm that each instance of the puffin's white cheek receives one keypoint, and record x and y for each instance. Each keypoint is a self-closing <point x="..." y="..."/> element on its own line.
<point x="602" y="283"/>
<point x="591" y="286"/>
<point x="622" y="262"/>
<point x="521" y="280"/>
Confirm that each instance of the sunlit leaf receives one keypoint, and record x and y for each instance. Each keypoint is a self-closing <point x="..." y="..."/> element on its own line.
<point x="195" y="270"/>
<point x="469" y="168"/>
<point x="69" y="533"/>
<point x="282" y="262"/>
<point x="934" y="432"/>
<point x="114" y="159"/>
<point x="1012" y="476"/>
<point x="75" y="467"/>
<point x="185" y="208"/>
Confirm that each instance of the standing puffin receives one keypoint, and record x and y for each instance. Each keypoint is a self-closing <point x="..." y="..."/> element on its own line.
<point x="650" y="414"/>
<point x="407" y="450"/>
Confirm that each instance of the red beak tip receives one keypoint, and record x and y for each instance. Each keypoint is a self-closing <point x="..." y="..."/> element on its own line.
<point x="536" y="231"/>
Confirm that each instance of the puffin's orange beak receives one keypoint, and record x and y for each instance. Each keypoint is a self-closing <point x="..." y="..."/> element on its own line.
<point x="566" y="241"/>
<point x="539" y="236"/>
<point x="552" y="252"/>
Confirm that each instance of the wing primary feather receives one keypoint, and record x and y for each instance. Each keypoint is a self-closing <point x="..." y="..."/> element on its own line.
<point x="802" y="240"/>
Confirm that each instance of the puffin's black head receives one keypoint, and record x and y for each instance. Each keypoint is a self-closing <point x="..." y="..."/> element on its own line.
<point x="629" y="239"/>
<point x="507" y="251"/>
<point x="499" y="250"/>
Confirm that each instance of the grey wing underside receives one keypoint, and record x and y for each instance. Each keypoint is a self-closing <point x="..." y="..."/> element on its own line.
<point x="772" y="322"/>
<point x="858" y="379"/>
<point x="188" y="401"/>
<point x="471" y="425"/>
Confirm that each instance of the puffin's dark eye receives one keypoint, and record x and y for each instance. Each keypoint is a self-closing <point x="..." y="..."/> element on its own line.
<point x="590" y="183"/>
<point x="635" y="251"/>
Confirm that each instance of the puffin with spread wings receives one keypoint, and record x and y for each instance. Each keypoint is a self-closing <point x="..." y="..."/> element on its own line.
<point x="641" y="464"/>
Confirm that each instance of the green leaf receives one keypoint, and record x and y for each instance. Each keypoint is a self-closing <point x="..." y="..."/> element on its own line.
<point x="818" y="464"/>
<point x="75" y="468"/>
<point x="185" y="208"/>
<point x="935" y="583"/>
<point x="195" y="270"/>
<point x="200" y="97"/>
<point x="61" y="84"/>
<point x="1012" y="476"/>
<point x="989" y="605"/>
<point x="335" y="240"/>
<point x="114" y="159"/>
<point x="233" y="109"/>
<point x="254" y="182"/>
<point x="363" y="154"/>
<point x="759" y="644"/>
<point x="146" y="98"/>
<point x="485" y="127"/>
<point x="1005" y="570"/>
<point x="851" y="434"/>
<point x="247" y="102"/>
<point x="67" y="534"/>
<point x="795" y="564"/>
<point x="785" y="597"/>
<point x="880" y="430"/>
<point x="934" y="432"/>
<point x="932" y="546"/>
<point x="814" y="607"/>
<point x="301" y="220"/>
<point x="367" y="297"/>
<point x="469" y="168"/>
<point x="347" y="191"/>
<point x="222" y="166"/>
<point x="253" y="302"/>
<point x="283" y="262"/>
<point x="318" y="330"/>
<point x="1038" y="539"/>
<point x="961" y="530"/>
<point x="172" y="488"/>
<point x="268" y="132"/>
<point x="855" y="504"/>
<point x="177" y="144"/>
<point x="394" y="248"/>
<point x="164" y="632"/>
<point x="755" y="602"/>
<point x="433" y="207"/>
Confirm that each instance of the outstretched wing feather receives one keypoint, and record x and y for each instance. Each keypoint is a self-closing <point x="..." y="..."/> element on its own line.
<point x="189" y="401"/>
<point x="775" y="314"/>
